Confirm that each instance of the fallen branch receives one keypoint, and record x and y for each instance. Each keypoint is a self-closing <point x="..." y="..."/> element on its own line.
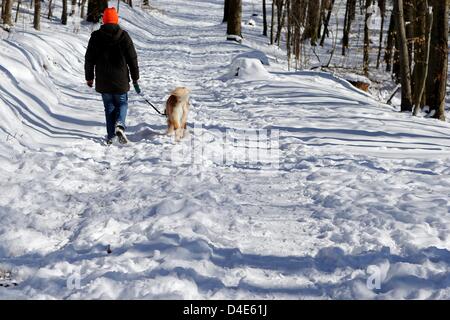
<point x="393" y="95"/>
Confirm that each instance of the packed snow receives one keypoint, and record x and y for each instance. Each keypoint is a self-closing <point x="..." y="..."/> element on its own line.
<point x="347" y="197"/>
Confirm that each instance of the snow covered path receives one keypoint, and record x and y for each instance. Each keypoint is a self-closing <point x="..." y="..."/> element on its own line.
<point x="359" y="187"/>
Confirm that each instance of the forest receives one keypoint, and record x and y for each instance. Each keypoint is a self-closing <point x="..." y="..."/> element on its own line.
<point x="412" y="40"/>
<point x="412" y="37"/>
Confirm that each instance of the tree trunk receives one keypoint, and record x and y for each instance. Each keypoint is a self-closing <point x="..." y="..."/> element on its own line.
<point x="312" y="26"/>
<point x="396" y="74"/>
<point x="226" y="11"/>
<point x="264" y="9"/>
<point x="82" y="9"/>
<point x="3" y="8"/>
<point x="391" y="41"/>
<point x="409" y="10"/>
<point x="64" y="12"/>
<point x="50" y="9"/>
<point x="281" y="15"/>
<point x="419" y="46"/>
<point x="297" y="20"/>
<point x="382" y="6"/>
<point x="405" y="72"/>
<point x="95" y="10"/>
<point x="17" y="11"/>
<point x="7" y="19"/>
<point x="272" y="22"/>
<point x="37" y="15"/>
<point x="349" y="17"/>
<point x="326" y="23"/>
<point x="424" y="23"/>
<point x="234" y="21"/>
<point x="322" y="17"/>
<point x="289" y="33"/>
<point x="366" y="39"/>
<point x="438" y="65"/>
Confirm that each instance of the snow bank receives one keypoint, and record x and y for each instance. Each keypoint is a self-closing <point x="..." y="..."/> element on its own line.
<point x="255" y="54"/>
<point x="35" y="70"/>
<point x="249" y="69"/>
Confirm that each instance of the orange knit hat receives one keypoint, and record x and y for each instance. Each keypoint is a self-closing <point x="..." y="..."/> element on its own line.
<point x="110" y="16"/>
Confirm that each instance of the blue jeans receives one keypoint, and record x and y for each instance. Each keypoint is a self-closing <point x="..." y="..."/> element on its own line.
<point x="116" y="107"/>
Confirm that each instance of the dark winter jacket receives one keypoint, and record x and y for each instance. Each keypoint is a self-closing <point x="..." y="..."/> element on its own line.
<point x="111" y="56"/>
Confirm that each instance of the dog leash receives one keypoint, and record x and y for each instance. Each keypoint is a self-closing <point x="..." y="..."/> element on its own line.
<point x="151" y="104"/>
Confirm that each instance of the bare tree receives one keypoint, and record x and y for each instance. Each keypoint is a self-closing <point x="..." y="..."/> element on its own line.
<point x="226" y="10"/>
<point x="19" y="3"/>
<point x="423" y="25"/>
<point x="289" y="31"/>
<point x="272" y="22"/>
<point x="298" y="21"/>
<point x="326" y="22"/>
<point x="264" y="10"/>
<point x="234" y="20"/>
<point x="95" y="10"/>
<point x="64" y="12"/>
<point x="409" y="9"/>
<point x="281" y="17"/>
<point x="37" y="15"/>
<point x="312" y="27"/>
<point x="366" y="38"/>
<point x="438" y="66"/>
<point x="349" y="17"/>
<point x="6" y="14"/>
<point x="50" y="9"/>
<point x="405" y="70"/>
<point x="82" y="4"/>
<point x="382" y="6"/>
<point x="391" y="40"/>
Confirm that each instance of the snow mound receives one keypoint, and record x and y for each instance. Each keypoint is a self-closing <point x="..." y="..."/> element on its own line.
<point x="249" y="69"/>
<point x="255" y="54"/>
<point x="34" y="109"/>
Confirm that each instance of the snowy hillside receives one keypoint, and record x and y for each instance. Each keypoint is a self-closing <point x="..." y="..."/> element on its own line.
<point x="338" y="190"/>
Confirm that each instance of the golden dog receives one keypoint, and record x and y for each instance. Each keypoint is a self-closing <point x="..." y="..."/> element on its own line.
<point x="177" y="108"/>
